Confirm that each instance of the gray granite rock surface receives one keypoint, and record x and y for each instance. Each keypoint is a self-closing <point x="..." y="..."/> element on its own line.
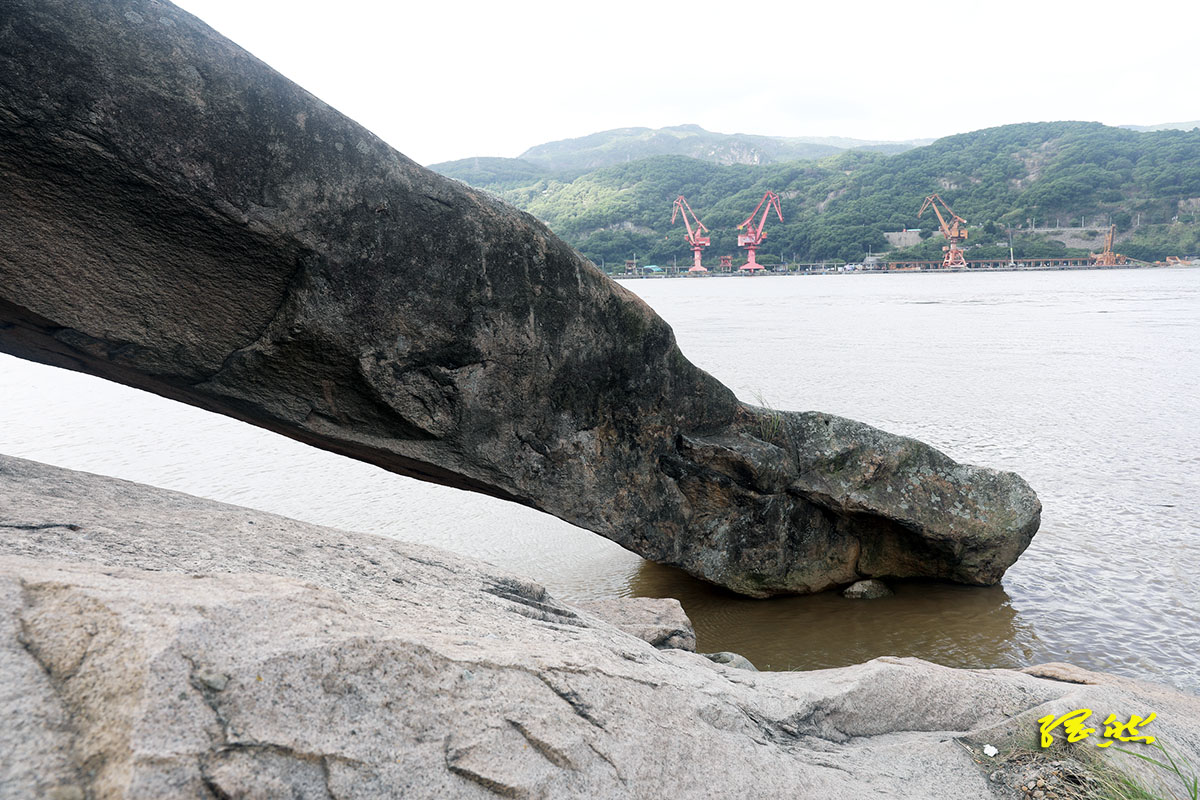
<point x="659" y="621"/>
<point x="156" y="645"/>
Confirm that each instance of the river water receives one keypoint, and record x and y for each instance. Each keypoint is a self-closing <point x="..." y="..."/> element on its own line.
<point x="1086" y="383"/>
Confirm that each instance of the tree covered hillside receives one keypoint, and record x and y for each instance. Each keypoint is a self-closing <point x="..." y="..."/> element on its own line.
<point x="1011" y="177"/>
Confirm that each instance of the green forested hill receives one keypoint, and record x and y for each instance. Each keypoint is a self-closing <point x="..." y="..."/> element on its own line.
<point x="498" y="174"/>
<point x="838" y="207"/>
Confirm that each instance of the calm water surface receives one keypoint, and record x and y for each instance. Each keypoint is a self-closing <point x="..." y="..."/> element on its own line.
<point x="1086" y="383"/>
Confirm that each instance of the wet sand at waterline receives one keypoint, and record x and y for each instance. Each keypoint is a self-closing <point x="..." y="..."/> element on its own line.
<point x="1085" y="383"/>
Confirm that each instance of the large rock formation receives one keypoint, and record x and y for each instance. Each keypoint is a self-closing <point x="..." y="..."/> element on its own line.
<point x="157" y="645"/>
<point x="180" y="218"/>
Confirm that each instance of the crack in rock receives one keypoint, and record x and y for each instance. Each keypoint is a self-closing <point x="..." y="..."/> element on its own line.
<point x="40" y="526"/>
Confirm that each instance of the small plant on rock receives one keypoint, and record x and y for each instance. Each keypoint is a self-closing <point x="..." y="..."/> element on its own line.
<point x="770" y="421"/>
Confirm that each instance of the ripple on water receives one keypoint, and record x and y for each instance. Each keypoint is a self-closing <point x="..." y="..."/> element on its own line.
<point x="1016" y="371"/>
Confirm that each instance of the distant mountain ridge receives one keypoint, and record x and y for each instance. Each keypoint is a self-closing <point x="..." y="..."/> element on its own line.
<point x="1013" y="177"/>
<point x="630" y="144"/>
<point x="1165" y="126"/>
<point x="568" y="158"/>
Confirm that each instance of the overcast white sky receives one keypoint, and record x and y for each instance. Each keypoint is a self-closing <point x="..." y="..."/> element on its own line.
<point x="447" y="80"/>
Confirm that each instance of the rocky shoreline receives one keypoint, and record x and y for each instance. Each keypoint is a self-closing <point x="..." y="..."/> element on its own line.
<point x="156" y="644"/>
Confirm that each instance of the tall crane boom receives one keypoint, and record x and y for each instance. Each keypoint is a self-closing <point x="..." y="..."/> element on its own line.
<point x="755" y="234"/>
<point x="1108" y="258"/>
<point x="695" y="234"/>
<point x="955" y="230"/>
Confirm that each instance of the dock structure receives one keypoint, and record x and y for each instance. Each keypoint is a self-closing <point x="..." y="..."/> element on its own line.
<point x="893" y="267"/>
<point x="972" y="265"/>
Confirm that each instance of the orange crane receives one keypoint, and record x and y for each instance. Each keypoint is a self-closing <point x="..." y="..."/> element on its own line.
<point x="1108" y="258"/>
<point x="955" y="230"/>
<point x="695" y="237"/>
<point x="755" y="234"/>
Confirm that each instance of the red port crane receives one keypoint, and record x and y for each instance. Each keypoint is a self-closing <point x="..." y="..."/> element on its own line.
<point x="755" y="234"/>
<point x="955" y="230"/>
<point x="695" y="234"/>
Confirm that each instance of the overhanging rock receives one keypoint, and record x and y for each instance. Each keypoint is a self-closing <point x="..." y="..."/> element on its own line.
<point x="180" y="218"/>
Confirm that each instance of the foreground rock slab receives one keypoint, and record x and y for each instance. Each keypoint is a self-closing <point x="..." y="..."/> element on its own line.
<point x="193" y="224"/>
<point x="659" y="621"/>
<point x="158" y="645"/>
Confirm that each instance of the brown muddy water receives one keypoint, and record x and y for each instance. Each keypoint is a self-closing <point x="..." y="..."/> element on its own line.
<point x="1086" y="383"/>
